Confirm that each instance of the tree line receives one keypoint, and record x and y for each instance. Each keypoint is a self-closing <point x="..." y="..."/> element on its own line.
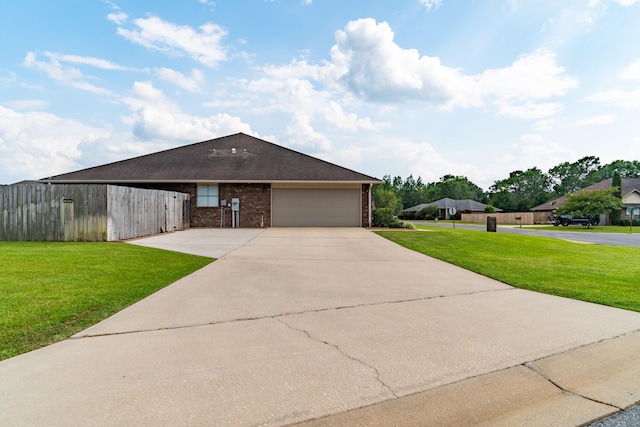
<point x="521" y="191"/>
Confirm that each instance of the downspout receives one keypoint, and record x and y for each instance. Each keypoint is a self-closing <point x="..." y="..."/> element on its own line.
<point x="369" y="205"/>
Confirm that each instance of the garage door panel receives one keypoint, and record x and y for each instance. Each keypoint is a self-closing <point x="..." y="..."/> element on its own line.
<point x="317" y="207"/>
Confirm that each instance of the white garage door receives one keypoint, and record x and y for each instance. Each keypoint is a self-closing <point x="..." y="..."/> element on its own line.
<point x="316" y="207"/>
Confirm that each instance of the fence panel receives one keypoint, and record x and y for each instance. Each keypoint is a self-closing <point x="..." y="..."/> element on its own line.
<point x="137" y="212"/>
<point x="88" y="212"/>
<point x="43" y="212"/>
<point x="526" y="218"/>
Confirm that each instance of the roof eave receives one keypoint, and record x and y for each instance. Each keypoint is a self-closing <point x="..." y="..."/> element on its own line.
<point x="193" y="181"/>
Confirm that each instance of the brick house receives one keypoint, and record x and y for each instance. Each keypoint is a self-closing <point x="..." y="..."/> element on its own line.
<point x="243" y="181"/>
<point x="630" y="199"/>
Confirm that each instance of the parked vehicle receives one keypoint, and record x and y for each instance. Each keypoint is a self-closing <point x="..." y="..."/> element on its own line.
<point x="566" y="220"/>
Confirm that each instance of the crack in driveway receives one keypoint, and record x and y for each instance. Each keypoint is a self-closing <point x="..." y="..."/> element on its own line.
<point x="292" y="313"/>
<point x="337" y="347"/>
<point x="541" y="373"/>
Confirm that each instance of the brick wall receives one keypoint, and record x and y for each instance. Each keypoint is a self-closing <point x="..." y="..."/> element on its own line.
<point x="255" y="204"/>
<point x="365" y="205"/>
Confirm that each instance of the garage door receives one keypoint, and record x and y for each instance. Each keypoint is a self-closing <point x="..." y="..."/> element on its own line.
<point x="316" y="207"/>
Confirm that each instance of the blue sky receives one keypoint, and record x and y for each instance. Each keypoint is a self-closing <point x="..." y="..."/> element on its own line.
<point x="422" y="87"/>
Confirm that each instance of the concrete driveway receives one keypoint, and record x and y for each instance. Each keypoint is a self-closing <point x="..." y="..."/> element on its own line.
<point x="333" y="327"/>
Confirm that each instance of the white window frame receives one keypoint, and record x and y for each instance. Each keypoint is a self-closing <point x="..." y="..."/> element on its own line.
<point x="207" y="196"/>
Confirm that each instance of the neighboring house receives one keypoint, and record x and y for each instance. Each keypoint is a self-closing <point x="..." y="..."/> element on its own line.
<point x="630" y="198"/>
<point x="243" y="181"/>
<point x="443" y="205"/>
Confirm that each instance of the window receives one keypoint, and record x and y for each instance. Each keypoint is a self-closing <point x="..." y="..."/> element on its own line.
<point x="207" y="195"/>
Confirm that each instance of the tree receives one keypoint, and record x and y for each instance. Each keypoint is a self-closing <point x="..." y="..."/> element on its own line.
<point x="616" y="182"/>
<point x="386" y="197"/>
<point x="457" y="188"/>
<point x="568" y="177"/>
<point x="591" y="203"/>
<point x="625" y="168"/>
<point x="521" y="191"/>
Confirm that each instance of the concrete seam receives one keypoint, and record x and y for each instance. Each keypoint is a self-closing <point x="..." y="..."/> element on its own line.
<point x="337" y="347"/>
<point x="541" y="373"/>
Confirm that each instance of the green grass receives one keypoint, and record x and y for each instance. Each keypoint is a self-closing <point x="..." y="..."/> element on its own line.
<point x="49" y="291"/>
<point x="608" y="275"/>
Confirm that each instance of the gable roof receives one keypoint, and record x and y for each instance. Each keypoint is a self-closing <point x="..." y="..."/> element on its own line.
<point x="233" y="158"/>
<point x="629" y="185"/>
<point x="461" y="205"/>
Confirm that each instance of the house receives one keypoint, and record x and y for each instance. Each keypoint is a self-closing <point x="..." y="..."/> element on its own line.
<point x="243" y="181"/>
<point x="443" y="205"/>
<point x="630" y="198"/>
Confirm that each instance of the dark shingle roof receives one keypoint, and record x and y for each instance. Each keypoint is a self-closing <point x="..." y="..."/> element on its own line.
<point x="461" y="205"/>
<point x="254" y="160"/>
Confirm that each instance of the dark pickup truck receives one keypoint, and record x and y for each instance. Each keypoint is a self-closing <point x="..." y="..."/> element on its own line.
<point x="565" y="220"/>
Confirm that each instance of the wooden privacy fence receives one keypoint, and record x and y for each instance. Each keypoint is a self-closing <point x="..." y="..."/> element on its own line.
<point x="526" y="218"/>
<point x="88" y="212"/>
<point x="135" y="212"/>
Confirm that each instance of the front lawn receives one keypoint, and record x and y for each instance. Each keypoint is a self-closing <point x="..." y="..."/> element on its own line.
<point x="608" y="275"/>
<point x="49" y="291"/>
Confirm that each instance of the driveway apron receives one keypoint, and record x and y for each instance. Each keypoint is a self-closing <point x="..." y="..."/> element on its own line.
<point x="333" y="326"/>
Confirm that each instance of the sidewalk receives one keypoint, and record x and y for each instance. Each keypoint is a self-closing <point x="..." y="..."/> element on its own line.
<point x="301" y="324"/>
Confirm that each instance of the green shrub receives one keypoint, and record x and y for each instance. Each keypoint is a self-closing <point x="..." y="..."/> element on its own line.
<point x="489" y="209"/>
<point x="625" y="222"/>
<point x="430" y="212"/>
<point x="407" y="215"/>
<point x="385" y="217"/>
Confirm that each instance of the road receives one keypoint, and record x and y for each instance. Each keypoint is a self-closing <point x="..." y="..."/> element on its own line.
<point x="615" y="239"/>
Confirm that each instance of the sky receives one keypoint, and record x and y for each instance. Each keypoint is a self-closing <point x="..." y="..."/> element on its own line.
<point x="477" y="88"/>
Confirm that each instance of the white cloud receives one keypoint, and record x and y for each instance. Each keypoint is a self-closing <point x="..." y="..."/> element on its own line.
<point x="429" y="4"/>
<point x="204" y="46"/>
<point x="28" y="104"/>
<point x="530" y="110"/>
<point x="397" y="156"/>
<point x="531" y="78"/>
<point x="370" y="64"/>
<point x="300" y="134"/>
<point x="67" y="76"/>
<point x="293" y="95"/>
<point x="367" y="61"/>
<point x="157" y="118"/>
<point x="9" y="77"/>
<point x="119" y="17"/>
<point x="600" y="120"/>
<point x="626" y="3"/>
<point x="34" y="145"/>
<point x="627" y="97"/>
<point x="87" y="60"/>
<point x="618" y="97"/>
<point x="631" y="72"/>
<point x="190" y="83"/>
<point x="532" y="151"/>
